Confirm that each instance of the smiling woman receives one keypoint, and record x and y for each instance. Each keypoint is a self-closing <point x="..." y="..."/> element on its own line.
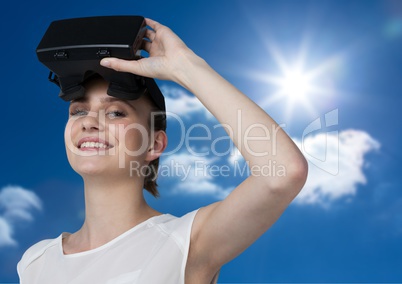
<point x="123" y="239"/>
<point x="101" y="126"/>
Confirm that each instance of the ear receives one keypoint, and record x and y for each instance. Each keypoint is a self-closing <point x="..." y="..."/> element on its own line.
<point x="157" y="146"/>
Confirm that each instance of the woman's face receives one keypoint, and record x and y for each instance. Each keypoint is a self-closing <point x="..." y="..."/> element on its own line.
<point x="105" y="134"/>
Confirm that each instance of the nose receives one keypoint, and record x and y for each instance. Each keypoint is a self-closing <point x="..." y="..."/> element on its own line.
<point x="92" y="121"/>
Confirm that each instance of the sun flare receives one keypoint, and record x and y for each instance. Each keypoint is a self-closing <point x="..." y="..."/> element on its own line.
<point x="297" y="85"/>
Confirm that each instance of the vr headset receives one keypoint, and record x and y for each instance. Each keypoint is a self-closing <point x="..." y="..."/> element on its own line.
<point x="73" y="48"/>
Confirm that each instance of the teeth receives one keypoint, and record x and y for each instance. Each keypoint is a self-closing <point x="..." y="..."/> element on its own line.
<point x="93" y="145"/>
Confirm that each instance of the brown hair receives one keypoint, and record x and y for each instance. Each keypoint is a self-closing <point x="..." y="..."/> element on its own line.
<point x="157" y="121"/>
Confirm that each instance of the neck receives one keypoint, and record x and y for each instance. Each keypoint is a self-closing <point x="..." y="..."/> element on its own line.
<point x="111" y="208"/>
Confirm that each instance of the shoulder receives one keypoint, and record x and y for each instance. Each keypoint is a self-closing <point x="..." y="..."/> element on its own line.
<point x="34" y="252"/>
<point x="173" y="224"/>
<point x="177" y="228"/>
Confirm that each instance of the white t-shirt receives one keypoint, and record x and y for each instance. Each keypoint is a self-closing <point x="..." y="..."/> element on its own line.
<point x="154" y="251"/>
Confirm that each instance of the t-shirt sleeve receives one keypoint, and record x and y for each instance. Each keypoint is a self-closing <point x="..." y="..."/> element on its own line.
<point x="182" y="234"/>
<point x="31" y="254"/>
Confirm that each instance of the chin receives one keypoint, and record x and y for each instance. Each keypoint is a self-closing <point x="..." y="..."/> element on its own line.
<point x="89" y="170"/>
<point x="89" y="165"/>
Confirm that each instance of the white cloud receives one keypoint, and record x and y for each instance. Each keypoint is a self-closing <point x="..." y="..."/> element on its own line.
<point x="336" y="168"/>
<point x="16" y="205"/>
<point x="194" y="175"/>
<point x="182" y="103"/>
<point x="6" y="233"/>
<point x="336" y="164"/>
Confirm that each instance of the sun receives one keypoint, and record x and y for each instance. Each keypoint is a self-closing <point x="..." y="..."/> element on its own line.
<point x="296" y="85"/>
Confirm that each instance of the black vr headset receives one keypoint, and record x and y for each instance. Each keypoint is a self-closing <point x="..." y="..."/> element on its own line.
<point x="73" y="48"/>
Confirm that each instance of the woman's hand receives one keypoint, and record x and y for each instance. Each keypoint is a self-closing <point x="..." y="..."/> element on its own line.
<point x="167" y="55"/>
<point x="256" y="203"/>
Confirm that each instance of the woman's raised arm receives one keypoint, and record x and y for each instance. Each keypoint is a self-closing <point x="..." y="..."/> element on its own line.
<point x="224" y="229"/>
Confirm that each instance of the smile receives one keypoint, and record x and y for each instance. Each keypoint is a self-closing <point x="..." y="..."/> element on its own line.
<point x="93" y="145"/>
<point x="89" y="143"/>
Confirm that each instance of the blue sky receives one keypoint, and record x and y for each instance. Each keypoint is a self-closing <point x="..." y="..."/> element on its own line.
<point x="346" y="225"/>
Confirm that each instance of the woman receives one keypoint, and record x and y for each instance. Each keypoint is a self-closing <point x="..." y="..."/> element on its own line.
<point x="123" y="240"/>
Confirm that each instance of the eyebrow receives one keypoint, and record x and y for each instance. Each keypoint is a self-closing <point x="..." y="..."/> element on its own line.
<point x="104" y="100"/>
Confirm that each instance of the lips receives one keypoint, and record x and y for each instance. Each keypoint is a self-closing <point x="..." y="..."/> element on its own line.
<point x="93" y="143"/>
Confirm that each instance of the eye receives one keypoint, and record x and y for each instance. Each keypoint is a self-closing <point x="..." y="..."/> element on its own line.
<point x="116" y="114"/>
<point x="78" y="112"/>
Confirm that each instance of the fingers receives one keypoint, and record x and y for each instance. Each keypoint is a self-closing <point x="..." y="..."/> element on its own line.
<point x="153" y="24"/>
<point x="121" y="65"/>
<point x="146" y="45"/>
<point x="149" y="34"/>
<point x="148" y="39"/>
